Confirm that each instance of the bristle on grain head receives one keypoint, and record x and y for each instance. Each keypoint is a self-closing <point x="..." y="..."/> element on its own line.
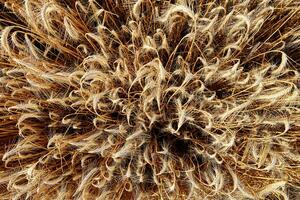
<point x="149" y="99"/>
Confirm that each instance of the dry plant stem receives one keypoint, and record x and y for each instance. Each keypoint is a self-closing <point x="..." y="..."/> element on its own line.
<point x="149" y="99"/>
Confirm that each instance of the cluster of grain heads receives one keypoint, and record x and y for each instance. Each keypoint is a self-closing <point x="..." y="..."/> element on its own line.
<point x="149" y="99"/>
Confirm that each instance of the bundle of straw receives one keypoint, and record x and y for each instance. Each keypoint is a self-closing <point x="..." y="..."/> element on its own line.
<point x="149" y="99"/>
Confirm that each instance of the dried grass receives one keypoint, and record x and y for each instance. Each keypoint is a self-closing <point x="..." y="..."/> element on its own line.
<point x="149" y="99"/>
